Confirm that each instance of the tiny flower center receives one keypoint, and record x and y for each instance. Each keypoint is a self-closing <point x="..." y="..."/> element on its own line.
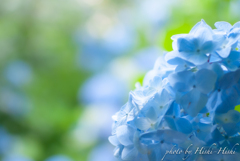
<point x="149" y="152"/>
<point x="207" y="114"/>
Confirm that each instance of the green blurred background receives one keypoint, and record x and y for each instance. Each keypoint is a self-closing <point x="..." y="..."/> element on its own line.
<point x="67" y="66"/>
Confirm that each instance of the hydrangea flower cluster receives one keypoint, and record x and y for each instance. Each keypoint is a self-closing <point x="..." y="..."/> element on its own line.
<point x="187" y="101"/>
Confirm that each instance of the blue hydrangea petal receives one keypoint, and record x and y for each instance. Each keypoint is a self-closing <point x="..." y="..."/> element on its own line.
<point x="142" y="123"/>
<point x="214" y="100"/>
<point x="205" y="80"/>
<point x="152" y="155"/>
<point x="216" y="135"/>
<point x="156" y="83"/>
<point x="234" y="55"/>
<point x="214" y="57"/>
<point x="204" y="37"/>
<point x="118" y="151"/>
<point x="171" y="122"/>
<point x="172" y="58"/>
<point x="232" y="62"/>
<point x="203" y="132"/>
<point x="197" y="59"/>
<point x="129" y="153"/>
<point x="186" y="45"/>
<point x="152" y="115"/>
<point x="175" y="37"/>
<point x="228" y="80"/>
<point x="180" y="81"/>
<point x="215" y="67"/>
<point x="207" y="47"/>
<point x="231" y="129"/>
<point x="234" y="141"/>
<point x="181" y="67"/>
<point x="234" y="36"/>
<point x="232" y="116"/>
<point x="125" y="135"/>
<point x="222" y="25"/>
<point x="163" y="97"/>
<point x="230" y="99"/>
<point x="236" y="25"/>
<point x="206" y="127"/>
<point x="114" y="140"/>
<point x="200" y="25"/>
<point x="223" y="52"/>
<point x="164" y="135"/>
<point x="174" y="110"/>
<point x="193" y="102"/>
<point x="231" y="66"/>
<point x="183" y="125"/>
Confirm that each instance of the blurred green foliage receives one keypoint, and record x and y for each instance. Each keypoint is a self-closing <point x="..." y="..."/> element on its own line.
<point x="42" y="34"/>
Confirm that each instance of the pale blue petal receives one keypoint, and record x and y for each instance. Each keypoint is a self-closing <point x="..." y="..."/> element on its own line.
<point x="222" y="25"/>
<point x="224" y="52"/>
<point x="175" y="37"/>
<point x="231" y="129"/>
<point x="208" y="47"/>
<point x="180" y="81"/>
<point x="186" y="45"/>
<point x="125" y="135"/>
<point x="234" y="36"/>
<point x="204" y="36"/>
<point x="117" y="151"/>
<point x="234" y="55"/>
<point x="129" y="153"/>
<point x="183" y="125"/>
<point x="205" y="80"/>
<point x="232" y="116"/>
<point x="173" y="59"/>
<point x="171" y="122"/>
<point x="198" y="26"/>
<point x="151" y="114"/>
<point x="142" y="123"/>
<point x="163" y="97"/>
<point x="197" y="59"/>
<point x="205" y="127"/>
<point x="174" y="110"/>
<point x="180" y="68"/>
<point x="152" y="156"/>
<point x="113" y="140"/>
<point x="236" y="25"/>
<point x="193" y="102"/>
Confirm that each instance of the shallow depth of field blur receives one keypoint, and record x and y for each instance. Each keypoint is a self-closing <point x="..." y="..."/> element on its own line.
<point x="66" y="66"/>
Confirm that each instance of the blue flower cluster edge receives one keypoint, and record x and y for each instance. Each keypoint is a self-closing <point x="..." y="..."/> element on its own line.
<point x="188" y="98"/>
